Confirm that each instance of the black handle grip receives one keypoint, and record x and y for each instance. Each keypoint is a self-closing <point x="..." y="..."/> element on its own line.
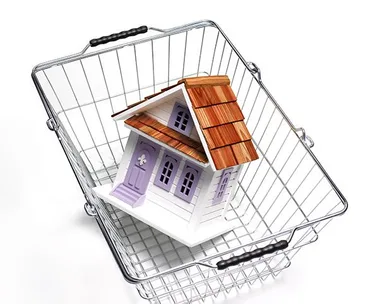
<point x="114" y="37"/>
<point x="247" y="256"/>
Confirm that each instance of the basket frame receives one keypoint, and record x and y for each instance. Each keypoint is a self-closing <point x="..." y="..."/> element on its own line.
<point x="86" y="183"/>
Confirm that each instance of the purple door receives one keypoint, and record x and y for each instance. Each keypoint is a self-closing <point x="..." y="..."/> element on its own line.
<point x="141" y="166"/>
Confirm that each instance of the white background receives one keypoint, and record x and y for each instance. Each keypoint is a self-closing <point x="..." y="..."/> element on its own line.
<point x="321" y="62"/>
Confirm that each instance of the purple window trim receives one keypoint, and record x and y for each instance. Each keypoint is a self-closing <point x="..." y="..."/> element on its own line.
<point x="180" y="119"/>
<point x="167" y="171"/>
<point x="222" y="186"/>
<point x="188" y="182"/>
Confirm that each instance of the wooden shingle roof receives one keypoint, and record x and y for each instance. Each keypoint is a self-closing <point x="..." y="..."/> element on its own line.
<point x="221" y="120"/>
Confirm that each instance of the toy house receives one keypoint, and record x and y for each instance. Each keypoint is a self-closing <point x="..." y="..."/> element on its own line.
<point x="182" y="160"/>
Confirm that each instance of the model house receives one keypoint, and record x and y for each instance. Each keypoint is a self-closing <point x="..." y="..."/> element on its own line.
<point x="182" y="160"/>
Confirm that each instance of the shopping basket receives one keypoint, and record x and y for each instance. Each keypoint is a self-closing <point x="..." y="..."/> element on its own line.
<point x="282" y="201"/>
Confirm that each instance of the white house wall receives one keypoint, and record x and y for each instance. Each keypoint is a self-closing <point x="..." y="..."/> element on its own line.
<point x="126" y="158"/>
<point x="156" y="195"/>
<point x="167" y="199"/>
<point x="210" y="211"/>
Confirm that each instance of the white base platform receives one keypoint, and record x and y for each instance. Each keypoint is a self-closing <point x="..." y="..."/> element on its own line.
<point x="165" y="221"/>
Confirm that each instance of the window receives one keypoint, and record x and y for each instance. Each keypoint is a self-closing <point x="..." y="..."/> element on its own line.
<point x="167" y="171"/>
<point x="222" y="186"/>
<point x="188" y="182"/>
<point x="180" y="120"/>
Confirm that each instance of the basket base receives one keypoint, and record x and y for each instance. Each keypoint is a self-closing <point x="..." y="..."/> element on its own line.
<point x="164" y="221"/>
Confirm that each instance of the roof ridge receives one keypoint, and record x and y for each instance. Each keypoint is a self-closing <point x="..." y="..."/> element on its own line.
<point x="212" y="80"/>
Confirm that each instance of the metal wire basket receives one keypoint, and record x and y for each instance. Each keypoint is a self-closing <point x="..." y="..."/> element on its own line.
<point x="282" y="201"/>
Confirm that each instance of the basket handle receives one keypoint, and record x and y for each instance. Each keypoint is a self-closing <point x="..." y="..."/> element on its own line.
<point x="122" y="35"/>
<point x="247" y="256"/>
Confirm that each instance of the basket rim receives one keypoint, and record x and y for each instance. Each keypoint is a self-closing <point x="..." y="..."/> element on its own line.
<point x="252" y="68"/>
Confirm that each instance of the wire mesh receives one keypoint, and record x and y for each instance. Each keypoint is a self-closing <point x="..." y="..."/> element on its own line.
<point x="285" y="189"/>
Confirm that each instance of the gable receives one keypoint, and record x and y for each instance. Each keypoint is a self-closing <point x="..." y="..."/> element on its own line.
<point x="156" y="130"/>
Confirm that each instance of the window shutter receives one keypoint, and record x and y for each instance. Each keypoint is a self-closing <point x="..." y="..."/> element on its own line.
<point x="188" y="182"/>
<point x="180" y="120"/>
<point x="167" y="171"/>
<point x="222" y="186"/>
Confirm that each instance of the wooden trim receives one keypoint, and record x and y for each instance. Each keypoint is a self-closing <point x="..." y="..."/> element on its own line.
<point x="205" y="80"/>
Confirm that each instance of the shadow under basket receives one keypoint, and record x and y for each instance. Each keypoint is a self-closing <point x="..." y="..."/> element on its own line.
<point x="282" y="202"/>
